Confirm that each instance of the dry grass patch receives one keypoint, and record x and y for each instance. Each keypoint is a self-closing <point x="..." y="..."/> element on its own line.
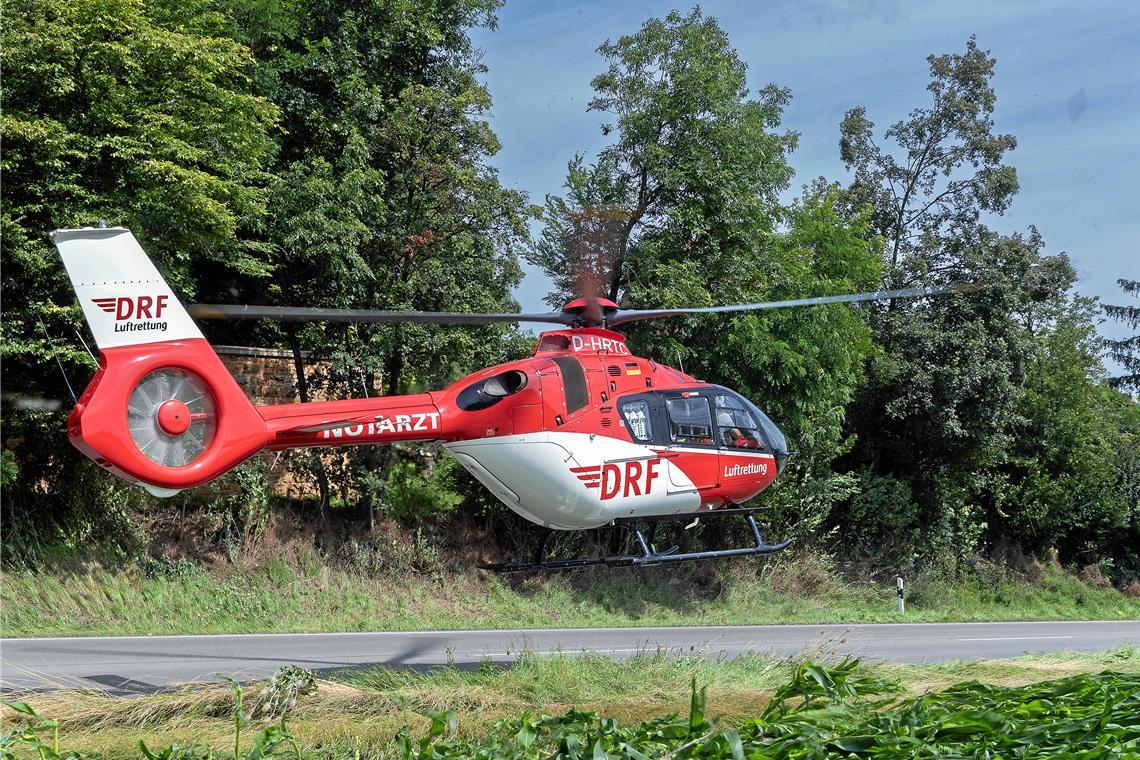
<point x="365" y="709"/>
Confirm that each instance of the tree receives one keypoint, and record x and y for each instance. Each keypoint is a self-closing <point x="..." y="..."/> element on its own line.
<point x="682" y="209"/>
<point x="694" y="155"/>
<point x="139" y="113"/>
<point x="942" y="410"/>
<point x="382" y="194"/>
<point x="1126" y="351"/>
<point x="1060" y="488"/>
<point x="942" y="173"/>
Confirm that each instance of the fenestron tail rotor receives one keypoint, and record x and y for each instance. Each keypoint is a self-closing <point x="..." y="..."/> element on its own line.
<point x="171" y="416"/>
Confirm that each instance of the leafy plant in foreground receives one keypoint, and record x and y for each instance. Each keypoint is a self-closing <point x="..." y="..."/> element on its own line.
<point x="826" y="712"/>
<point x="29" y="736"/>
<point x="823" y="711"/>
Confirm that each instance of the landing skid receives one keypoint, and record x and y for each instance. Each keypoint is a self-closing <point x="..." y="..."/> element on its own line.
<point x="647" y="555"/>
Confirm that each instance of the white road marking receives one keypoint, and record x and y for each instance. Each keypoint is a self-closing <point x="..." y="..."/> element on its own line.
<point x="1015" y="638"/>
<point x="696" y="629"/>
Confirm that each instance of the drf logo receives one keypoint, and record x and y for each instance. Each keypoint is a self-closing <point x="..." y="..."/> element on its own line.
<point x="628" y="478"/>
<point x="125" y="307"/>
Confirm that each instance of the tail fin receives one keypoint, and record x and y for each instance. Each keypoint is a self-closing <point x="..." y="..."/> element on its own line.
<point x="162" y="411"/>
<point x="124" y="298"/>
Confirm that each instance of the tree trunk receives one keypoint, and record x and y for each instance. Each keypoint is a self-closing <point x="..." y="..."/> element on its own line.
<point x="303" y="392"/>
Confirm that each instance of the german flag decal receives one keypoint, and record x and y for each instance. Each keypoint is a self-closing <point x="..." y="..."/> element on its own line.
<point x="632" y="368"/>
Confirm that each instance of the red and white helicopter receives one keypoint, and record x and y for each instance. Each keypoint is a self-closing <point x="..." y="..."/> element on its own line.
<point x="580" y="435"/>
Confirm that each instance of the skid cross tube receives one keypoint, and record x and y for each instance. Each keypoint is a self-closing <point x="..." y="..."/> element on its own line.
<point x="648" y="556"/>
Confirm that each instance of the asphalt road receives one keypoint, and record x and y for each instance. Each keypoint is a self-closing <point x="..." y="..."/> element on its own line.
<point x="143" y="664"/>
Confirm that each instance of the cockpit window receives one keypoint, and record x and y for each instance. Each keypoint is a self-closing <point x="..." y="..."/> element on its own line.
<point x="738" y="428"/>
<point x="690" y="419"/>
<point x="637" y="421"/>
<point x="553" y="343"/>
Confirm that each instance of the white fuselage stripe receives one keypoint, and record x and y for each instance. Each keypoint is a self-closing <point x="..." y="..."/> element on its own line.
<point x="722" y="452"/>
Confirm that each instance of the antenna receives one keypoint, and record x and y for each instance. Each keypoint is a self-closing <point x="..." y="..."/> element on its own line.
<point x="54" y="353"/>
<point x="88" y="350"/>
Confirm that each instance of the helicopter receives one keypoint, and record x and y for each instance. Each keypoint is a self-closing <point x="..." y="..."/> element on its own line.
<point x="580" y="435"/>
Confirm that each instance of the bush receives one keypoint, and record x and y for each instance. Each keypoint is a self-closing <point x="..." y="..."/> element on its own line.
<point x="882" y="522"/>
<point x="382" y="555"/>
<point x="288" y="684"/>
<point x="412" y="493"/>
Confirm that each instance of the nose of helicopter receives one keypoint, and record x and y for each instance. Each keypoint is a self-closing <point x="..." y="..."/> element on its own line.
<point x="775" y="437"/>
<point x="779" y="448"/>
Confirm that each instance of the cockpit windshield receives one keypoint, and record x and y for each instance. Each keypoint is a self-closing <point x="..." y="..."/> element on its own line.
<point x="742" y="425"/>
<point x="738" y="428"/>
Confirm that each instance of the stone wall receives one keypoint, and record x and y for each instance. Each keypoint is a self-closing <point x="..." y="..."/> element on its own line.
<point x="267" y="376"/>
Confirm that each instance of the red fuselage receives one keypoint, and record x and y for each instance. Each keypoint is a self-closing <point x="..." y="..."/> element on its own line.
<point x="577" y="434"/>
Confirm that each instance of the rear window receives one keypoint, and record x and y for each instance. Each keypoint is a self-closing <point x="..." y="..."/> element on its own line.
<point x="573" y="382"/>
<point x="637" y="421"/>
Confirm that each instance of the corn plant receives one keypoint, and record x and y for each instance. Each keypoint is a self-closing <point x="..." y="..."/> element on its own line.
<point x="821" y="712"/>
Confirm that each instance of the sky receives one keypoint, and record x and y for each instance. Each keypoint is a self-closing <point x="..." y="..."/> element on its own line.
<point x="1067" y="82"/>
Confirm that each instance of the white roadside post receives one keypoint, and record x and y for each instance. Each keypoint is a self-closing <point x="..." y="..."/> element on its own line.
<point x="902" y="605"/>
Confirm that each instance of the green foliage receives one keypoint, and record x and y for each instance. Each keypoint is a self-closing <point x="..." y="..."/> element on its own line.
<point x="880" y="523"/>
<point x="394" y="581"/>
<point x="139" y="113"/>
<point x="382" y="197"/>
<point x="987" y="406"/>
<point x="1126" y="351"/>
<point x="60" y="505"/>
<point x="1068" y="450"/>
<point x="833" y="711"/>
<point x="695" y="160"/>
<point x="270" y="741"/>
<point x="410" y="493"/>
<point x="171" y="568"/>
<point x="774" y="709"/>
<point x="393" y="557"/>
<point x="28" y="738"/>
<point x="8" y="468"/>
<point x="944" y="170"/>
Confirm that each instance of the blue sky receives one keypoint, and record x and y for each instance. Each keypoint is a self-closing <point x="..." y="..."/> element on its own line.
<point x="1079" y="169"/>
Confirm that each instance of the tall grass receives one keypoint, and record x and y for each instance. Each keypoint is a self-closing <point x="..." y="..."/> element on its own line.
<point x="181" y="597"/>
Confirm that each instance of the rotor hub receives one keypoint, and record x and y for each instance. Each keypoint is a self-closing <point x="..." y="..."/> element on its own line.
<point x="173" y="417"/>
<point x="590" y="312"/>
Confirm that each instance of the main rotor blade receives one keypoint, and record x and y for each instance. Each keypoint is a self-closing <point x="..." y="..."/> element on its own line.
<point x="303" y="314"/>
<point x="878" y="295"/>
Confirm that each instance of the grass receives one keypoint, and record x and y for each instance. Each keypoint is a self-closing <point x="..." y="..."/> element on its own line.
<point x="188" y="598"/>
<point x="363" y="711"/>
